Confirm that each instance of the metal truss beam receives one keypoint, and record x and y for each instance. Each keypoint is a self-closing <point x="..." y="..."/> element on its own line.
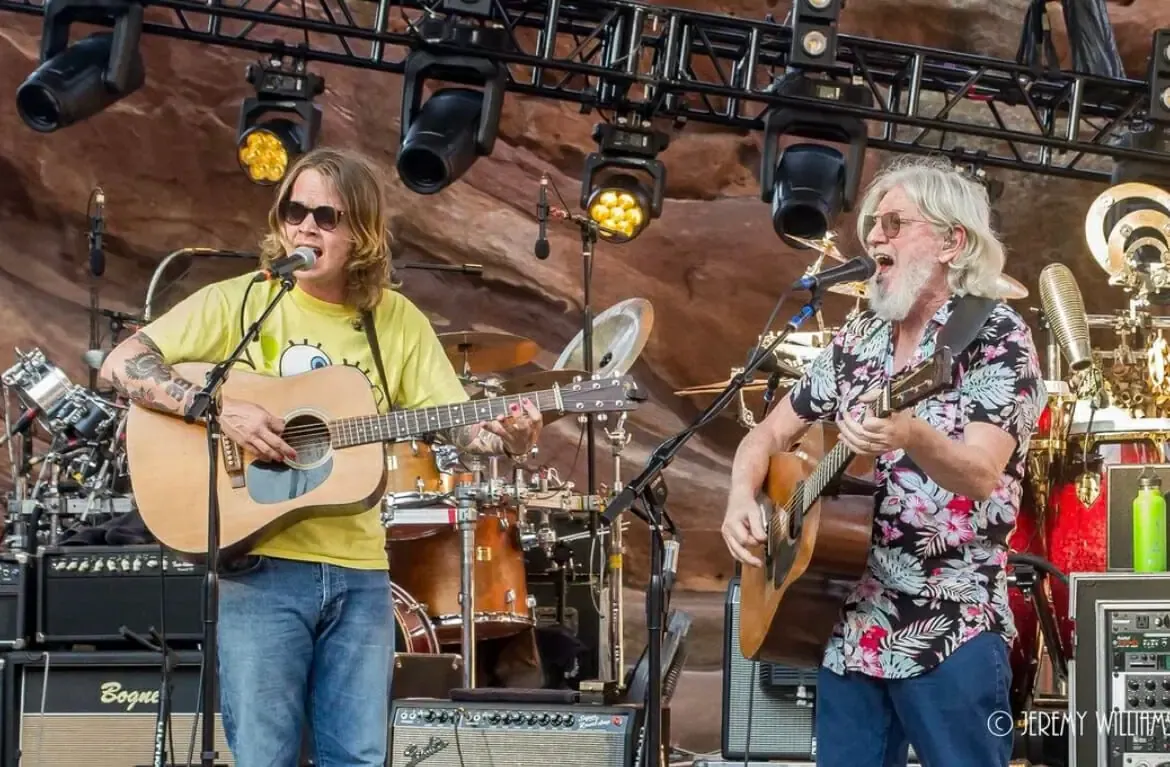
<point x="652" y="61"/>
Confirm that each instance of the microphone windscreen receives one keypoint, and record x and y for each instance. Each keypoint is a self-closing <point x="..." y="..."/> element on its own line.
<point x="1064" y="309"/>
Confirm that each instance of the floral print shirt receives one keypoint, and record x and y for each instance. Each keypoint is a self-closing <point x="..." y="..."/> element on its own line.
<point x="935" y="576"/>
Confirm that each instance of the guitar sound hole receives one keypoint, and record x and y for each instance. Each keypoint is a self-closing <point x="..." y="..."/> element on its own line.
<point x="308" y="435"/>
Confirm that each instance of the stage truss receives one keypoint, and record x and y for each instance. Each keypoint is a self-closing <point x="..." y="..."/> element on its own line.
<point x="631" y="58"/>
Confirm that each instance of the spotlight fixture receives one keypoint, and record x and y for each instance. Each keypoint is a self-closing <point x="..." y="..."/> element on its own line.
<point x="443" y="138"/>
<point x="809" y="184"/>
<point x="75" y="82"/>
<point x="613" y="191"/>
<point x="267" y="144"/>
<point x="814" y="33"/>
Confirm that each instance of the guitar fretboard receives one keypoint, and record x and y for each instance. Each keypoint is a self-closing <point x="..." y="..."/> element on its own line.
<point x="828" y="470"/>
<point x="401" y="424"/>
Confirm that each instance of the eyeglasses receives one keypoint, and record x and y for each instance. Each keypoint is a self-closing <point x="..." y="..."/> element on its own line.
<point x="326" y="216"/>
<point x="891" y="222"/>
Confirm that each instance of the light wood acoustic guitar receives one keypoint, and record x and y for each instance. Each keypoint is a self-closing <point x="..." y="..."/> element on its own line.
<point x="332" y="423"/>
<point x="816" y="547"/>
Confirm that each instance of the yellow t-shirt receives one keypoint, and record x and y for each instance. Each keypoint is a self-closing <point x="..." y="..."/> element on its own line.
<point x="302" y="334"/>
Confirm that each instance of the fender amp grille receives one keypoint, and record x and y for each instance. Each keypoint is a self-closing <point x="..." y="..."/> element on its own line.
<point x="99" y="709"/>
<point x="443" y="733"/>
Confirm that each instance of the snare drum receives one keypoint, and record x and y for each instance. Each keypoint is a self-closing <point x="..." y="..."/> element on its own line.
<point x="412" y="629"/>
<point x="421" y="477"/>
<point x="430" y="568"/>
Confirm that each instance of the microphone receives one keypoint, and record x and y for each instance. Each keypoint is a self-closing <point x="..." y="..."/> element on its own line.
<point x="854" y="270"/>
<point x="669" y="563"/>
<point x="97" y="258"/>
<point x="282" y="268"/>
<point x="1065" y="310"/>
<point x="540" y="250"/>
<point x="21" y="425"/>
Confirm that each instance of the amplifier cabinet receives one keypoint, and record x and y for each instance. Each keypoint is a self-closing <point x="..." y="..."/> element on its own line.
<point x="17" y="577"/>
<point x="442" y="733"/>
<point x="99" y="709"/>
<point x="86" y="594"/>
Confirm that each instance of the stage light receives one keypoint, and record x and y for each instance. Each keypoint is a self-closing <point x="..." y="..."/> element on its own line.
<point x="809" y="184"/>
<point x="75" y="82"/>
<point x="814" y="34"/>
<point x="613" y="191"/>
<point x="456" y="126"/>
<point x="267" y="145"/>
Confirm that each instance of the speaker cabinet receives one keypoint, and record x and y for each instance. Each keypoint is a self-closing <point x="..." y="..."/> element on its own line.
<point x="100" y="709"/>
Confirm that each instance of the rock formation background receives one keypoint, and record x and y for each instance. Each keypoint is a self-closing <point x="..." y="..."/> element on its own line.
<point x="711" y="266"/>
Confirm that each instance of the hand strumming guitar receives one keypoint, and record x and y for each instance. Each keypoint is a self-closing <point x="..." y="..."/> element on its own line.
<point x="252" y="427"/>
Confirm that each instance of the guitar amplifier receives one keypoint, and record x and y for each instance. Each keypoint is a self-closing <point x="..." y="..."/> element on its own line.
<point x="458" y="734"/>
<point x="99" y="709"/>
<point x="17" y="577"/>
<point x="86" y="594"/>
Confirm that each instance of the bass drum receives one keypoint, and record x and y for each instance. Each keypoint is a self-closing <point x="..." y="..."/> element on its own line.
<point x="413" y="632"/>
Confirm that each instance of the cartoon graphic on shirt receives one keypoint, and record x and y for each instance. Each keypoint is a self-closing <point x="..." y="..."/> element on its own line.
<point x="305" y="356"/>
<point x="302" y="357"/>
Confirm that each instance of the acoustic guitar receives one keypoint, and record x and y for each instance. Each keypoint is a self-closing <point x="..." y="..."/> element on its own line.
<point x="816" y="549"/>
<point x="332" y="423"/>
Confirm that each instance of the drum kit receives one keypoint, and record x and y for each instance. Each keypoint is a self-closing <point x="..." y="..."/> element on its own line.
<point x="465" y="536"/>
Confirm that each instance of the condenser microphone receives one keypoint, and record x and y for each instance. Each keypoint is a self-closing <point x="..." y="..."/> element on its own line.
<point x="540" y="250"/>
<point x="855" y="270"/>
<point x="302" y="258"/>
<point x="1064" y="309"/>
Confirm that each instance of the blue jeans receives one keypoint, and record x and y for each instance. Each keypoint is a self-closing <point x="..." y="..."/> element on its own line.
<point x="302" y="642"/>
<point x="954" y="715"/>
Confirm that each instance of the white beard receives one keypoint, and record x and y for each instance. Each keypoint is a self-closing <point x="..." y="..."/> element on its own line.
<point x="894" y="305"/>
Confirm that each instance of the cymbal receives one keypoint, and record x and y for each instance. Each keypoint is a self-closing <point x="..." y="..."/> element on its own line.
<point x="824" y="245"/>
<point x="619" y="335"/>
<point x="855" y="289"/>
<point x="1009" y="289"/>
<point x="483" y="351"/>
<point x="1103" y="227"/>
<point x="717" y="388"/>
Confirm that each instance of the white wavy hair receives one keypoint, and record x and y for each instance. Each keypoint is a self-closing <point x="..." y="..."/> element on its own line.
<point x="947" y="198"/>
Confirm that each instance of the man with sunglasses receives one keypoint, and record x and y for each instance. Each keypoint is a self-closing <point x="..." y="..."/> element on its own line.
<point x="920" y="655"/>
<point x="306" y="622"/>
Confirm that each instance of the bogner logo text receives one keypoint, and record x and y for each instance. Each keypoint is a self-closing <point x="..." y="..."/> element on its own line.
<point x="417" y="754"/>
<point x="112" y="694"/>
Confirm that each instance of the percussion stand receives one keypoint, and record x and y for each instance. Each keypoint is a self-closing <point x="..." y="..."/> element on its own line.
<point x="205" y="406"/>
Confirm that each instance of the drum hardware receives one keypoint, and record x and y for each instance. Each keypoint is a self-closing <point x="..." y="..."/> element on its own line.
<point x="614" y="583"/>
<point x="466" y="516"/>
<point x="1028" y="574"/>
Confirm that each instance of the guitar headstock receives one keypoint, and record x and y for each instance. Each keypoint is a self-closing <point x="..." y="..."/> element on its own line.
<point x="601" y="395"/>
<point x="913" y="386"/>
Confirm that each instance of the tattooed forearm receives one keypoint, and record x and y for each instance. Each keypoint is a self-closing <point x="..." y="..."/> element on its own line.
<point x="137" y="371"/>
<point x="476" y="440"/>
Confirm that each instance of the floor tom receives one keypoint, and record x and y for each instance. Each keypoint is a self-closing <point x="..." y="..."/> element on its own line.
<point x="413" y="632"/>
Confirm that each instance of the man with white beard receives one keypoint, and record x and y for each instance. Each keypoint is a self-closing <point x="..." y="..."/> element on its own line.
<point x="920" y="654"/>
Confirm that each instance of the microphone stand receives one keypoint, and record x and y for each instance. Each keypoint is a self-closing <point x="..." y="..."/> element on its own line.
<point x="650" y="488"/>
<point x="205" y="404"/>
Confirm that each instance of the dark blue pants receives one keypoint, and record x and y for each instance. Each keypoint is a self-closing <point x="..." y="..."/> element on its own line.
<point x="956" y="715"/>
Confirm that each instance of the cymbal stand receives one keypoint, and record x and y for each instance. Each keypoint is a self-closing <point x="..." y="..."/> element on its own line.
<point x="613" y="662"/>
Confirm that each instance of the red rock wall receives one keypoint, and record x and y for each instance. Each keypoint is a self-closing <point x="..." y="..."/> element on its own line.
<point x="711" y="266"/>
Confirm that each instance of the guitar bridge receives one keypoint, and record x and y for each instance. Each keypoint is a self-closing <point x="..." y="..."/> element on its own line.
<point x="233" y="462"/>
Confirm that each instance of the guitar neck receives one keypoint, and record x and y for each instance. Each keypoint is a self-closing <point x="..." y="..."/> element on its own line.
<point x="829" y="469"/>
<point x="404" y="424"/>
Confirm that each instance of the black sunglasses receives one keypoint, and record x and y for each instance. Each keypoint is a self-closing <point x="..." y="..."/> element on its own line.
<point x="326" y="216"/>
<point x="891" y="222"/>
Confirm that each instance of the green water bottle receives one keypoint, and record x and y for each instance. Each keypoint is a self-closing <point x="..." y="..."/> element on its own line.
<point x="1149" y="525"/>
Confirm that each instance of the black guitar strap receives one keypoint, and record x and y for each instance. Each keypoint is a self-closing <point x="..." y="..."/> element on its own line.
<point x="376" y="351"/>
<point x="965" y="322"/>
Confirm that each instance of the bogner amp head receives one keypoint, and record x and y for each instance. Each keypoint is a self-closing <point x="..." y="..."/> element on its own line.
<point x="442" y="733"/>
<point x="99" y="709"/>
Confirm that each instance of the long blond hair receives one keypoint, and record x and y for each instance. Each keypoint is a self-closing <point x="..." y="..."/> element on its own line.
<point x="358" y="183"/>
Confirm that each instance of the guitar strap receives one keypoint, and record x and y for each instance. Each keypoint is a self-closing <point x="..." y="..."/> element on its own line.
<point x="965" y="322"/>
<point x="376" y="351"/>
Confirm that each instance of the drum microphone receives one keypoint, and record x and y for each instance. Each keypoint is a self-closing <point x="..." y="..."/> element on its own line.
<point x="855" y="270"/>
<point x="97" y="224"/>
<point x="1064" y="309"/>
<point x="302" y="258"/>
